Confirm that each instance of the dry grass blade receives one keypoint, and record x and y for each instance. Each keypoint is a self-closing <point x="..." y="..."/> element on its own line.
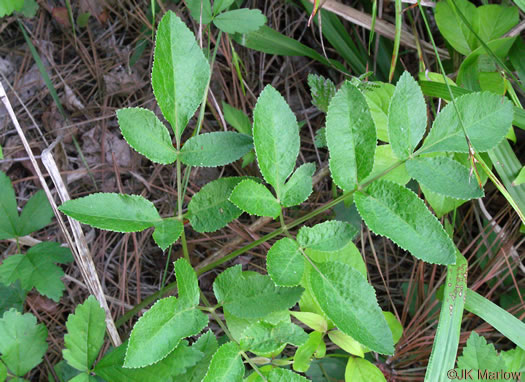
<point x="80" y="252"/>
<point x="382" y="27"/>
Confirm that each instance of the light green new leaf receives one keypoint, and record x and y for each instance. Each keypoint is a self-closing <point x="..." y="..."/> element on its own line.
<point x="284" y="375"/>
<point x="242" y="20"/>
<point x="322" y="90"/>
<point x="299" y="187"/>
<point x="347" y="343"/>
<point x="8" y="210"/>
<point x="328" y="236"/>
<point x="378" y="100"/>
<point x="113" y="212"/>
<point x="453" y="28"/>
<point x="285" y="263"/>
<point x="479" y="355"/>
<point x="394" y="211"/>
<point x="226" y="365"/>
<point x="37" y="269"/>
<point x="445" y="176"/>
<point x="237" y="325"/>
<point x="312" y="320"/>
<point x="22" y="341"/>
<point x="146" y="134"/>
<point x="263" y="337"/>
<point x="7" y="7"/>
<point x="255" y="198"/>
<point x="187" y="283"/>
<point x="359" y="369"/>
<point x="195" y="7"/>
<point x="252" y="295"/>
<point x="440" y="204"/>
<point x="446" y="339"/>
<point x="167" y="232"/>
<point x="487" y="118"/>
<point x="215" y="149"/>
<point x="160" y="330"/>
<point x="407" y="117"/>
<point x="276" y="138"/>
<point x="85" y="334"/>
<point x="304" y="353"/>
<point x="3" y="372"/>
<point x="520" y="178"/>
<point x="37" y="214"/>
<point x="350" y="302"/>
<point x="384" y="159"/>
<point x="351" y="137"/>
<point x="206" y="344"/>
<point x="180" y="72"/>
<point x="237" y="118"/>
<point x="180" y="360"/>
<point x="395" y="326"/>
<point x="514" y="359"/>
<point x="210" y="209"/>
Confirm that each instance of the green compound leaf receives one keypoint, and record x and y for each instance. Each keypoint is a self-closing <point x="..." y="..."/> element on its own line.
<point x="206" y="344"/>
<point x="221" y="5"/>
<point x="479" y="355"/>
<point x="113" y="212"/>
<point x="378" y="100"/>
<point x="167" y="232"/>
<point x="359" y="369"/>
<point x="85" y="334"/>
<point x="276" y="138"/>
<point x="160" y="330"/>
<point x="242" y="20"/>
<point x="407" y="116"/>
<point x="256" y="199"/>
<point x="236" y="118"/>
<point x="210" y="209"/>
<point x="350" y="302"/>
<point x="263" y="337"/>
<point x="7" y="7"/>
<point x="328" y="236"/>
<point x="37" y="269"/>
<point x="299" y="186"/>
<point x="253" y="296"/>
<point x="179" y="361"/>
<point x="215" y="149"/>
<point x="180" y="72"/>
<point x="304" y="353"/>
<point x="452" y="27"/>
<point x="8" y="210"/>
<point x="195" y="7"/>
<point x="322" y="90"/>
<point x="22" y="341"/>
<point x="187" y="283"/>
<point x="494" y="20"/>
<point x="351" y="137"/>
<point x="487" y="118"/>
<point x="444" y="176"/>
<point x="13" y="296"/>
<point x="284" y="375"/>
<point x="226" y="365"/>
<point x="37" y="214"/>
<point x="392" y="210"/>
<point x="285" y="263"/>
<point x="3" y="372"/>
<point x="146" y="134"/>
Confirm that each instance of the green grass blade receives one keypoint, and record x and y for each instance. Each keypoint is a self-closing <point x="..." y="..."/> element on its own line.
<point x="42" y="70"/>
<point x="397" y="39"/>
<point x="503" y="321"/>
<point x="373" y="26"/>
<point x="508" y="166"/>
<point x="336" y="34"/>
<point x="446" y="341"/>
